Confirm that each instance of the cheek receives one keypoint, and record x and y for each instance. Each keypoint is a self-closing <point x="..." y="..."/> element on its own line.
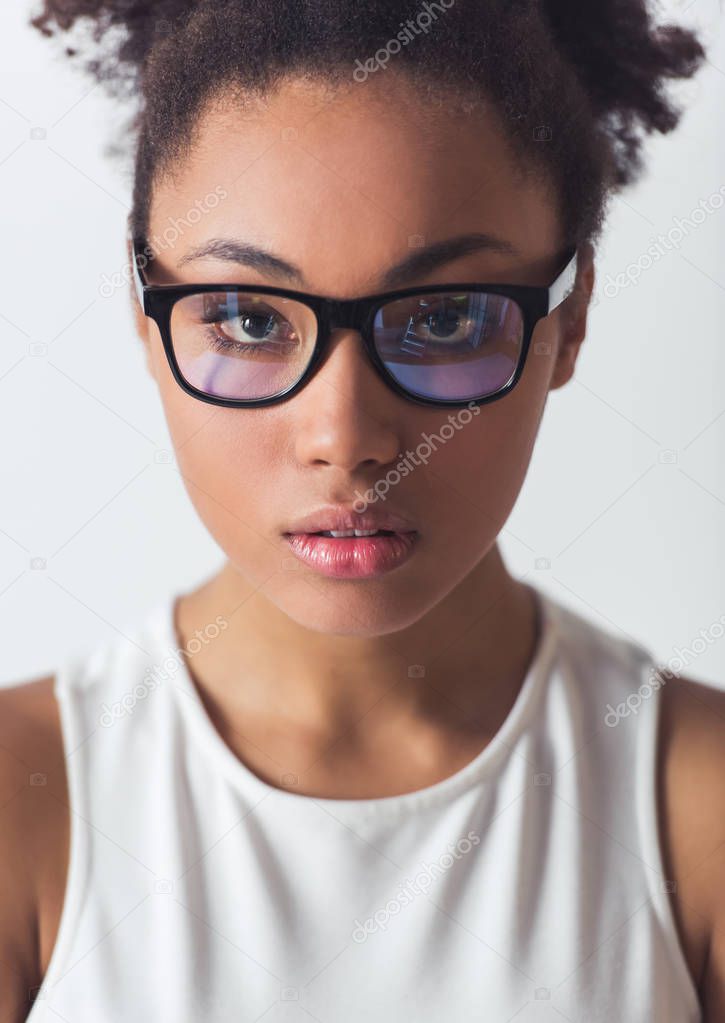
<point x="226" y="459"/>
<point x="477" y="476"/>
<point x="483" y="467"/>
<point x="229" y="470"/>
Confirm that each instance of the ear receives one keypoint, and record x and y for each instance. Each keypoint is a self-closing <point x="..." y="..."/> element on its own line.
<point x="141" y="321"/>
<point x="573" y="315"/>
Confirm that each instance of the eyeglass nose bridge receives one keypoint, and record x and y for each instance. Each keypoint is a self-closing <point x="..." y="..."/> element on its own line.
<point x="345" y="314"/>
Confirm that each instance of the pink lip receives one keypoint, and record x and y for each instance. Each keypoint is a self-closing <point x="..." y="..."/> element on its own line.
<point x="355" y="557"/>
<point x="340" y="518"/>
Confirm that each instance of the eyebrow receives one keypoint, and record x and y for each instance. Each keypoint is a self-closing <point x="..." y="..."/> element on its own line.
<point x="418" y="264"/>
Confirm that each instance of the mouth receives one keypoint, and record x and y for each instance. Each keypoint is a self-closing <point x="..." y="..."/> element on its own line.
<point x="343" y="544"/>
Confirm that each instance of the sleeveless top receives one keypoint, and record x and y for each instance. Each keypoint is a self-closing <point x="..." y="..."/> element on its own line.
<point x="528" y="886"/>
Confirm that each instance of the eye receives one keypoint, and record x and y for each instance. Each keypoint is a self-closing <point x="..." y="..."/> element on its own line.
<point x="442" y="320"/>
<point x="248" y="320"/>
<point x="256" y="326"/>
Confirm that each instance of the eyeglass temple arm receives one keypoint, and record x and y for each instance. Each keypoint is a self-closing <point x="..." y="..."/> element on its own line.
<point x="564" y="283"/>
<point x="138" y="277"/>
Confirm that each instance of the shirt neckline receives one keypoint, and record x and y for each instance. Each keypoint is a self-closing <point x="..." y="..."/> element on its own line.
<point x="480" y="768"/>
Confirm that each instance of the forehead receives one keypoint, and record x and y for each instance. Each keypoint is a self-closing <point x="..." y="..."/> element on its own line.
<point x="344" y="180"/>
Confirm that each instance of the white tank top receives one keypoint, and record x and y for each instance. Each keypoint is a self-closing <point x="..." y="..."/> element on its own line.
<point x="528" y="886"/>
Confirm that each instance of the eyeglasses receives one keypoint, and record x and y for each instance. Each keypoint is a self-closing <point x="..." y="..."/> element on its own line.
<point x="246" y="346"/>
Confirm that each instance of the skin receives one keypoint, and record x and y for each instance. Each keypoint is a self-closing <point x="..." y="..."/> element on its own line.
<point x="310" y="678"/>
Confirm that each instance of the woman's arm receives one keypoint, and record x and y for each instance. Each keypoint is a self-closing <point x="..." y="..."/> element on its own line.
<point x="692" y="798"/>
<point x="33" y="841"/>
<point x="713" y="989"/>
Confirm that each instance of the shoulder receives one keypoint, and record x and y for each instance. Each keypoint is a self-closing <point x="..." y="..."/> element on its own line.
<point x="691" y="791"/>
<point x="33" y="837"/>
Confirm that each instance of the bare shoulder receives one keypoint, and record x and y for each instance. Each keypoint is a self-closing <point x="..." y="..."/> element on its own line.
<point x="33" y="839"/>
<point x="691" y="775"/>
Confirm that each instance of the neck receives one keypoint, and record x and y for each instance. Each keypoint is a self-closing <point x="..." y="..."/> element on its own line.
<point x="475" y="646"/>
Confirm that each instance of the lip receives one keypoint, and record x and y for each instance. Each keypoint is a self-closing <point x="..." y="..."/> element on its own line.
<point x="340" y="518"/>
<point x="354" y="557"/>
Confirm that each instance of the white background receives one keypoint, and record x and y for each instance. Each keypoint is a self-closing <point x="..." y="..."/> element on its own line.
<point x="626" y="494"/>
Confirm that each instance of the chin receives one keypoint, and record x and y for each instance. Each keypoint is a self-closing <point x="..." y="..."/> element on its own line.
<point x="364" y="608"/>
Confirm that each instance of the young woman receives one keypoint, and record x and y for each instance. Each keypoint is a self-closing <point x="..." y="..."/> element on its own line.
<point x="363" y="772"/>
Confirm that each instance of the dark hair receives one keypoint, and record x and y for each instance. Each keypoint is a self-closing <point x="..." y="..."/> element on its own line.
<point x="577" y="84"/>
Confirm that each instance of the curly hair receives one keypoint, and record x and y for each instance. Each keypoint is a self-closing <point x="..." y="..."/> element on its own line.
<point x="577" y="84"/>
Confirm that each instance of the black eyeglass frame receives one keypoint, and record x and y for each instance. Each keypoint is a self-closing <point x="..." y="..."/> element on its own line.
<point x="535" y="302"/>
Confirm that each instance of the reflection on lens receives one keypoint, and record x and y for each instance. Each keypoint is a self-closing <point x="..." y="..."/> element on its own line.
<point x="452" y="346"/>
<point x="242" y="345"/>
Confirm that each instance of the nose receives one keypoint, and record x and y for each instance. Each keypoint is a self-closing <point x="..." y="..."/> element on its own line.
<point x="346" y="416"/>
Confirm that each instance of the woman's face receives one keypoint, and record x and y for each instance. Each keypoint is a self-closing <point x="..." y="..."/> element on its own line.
<point x="345" y="185"/>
